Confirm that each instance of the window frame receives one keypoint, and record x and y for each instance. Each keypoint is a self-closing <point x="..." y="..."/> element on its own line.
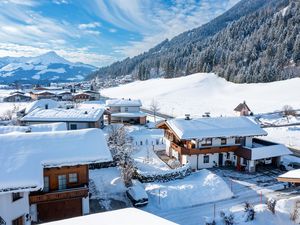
<point x="223" y="141"/>
<point x="15" y="196"/>
<point x="207" y="142"/>
<point x="206" y="159"/>
<point x="48" y="186"/>
<point x="63" y="185"/>
<point x="70" y="177"/>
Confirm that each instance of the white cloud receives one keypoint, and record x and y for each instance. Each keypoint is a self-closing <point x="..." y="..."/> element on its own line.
<point x="155" y="21"/>
<point x="85" y="26"/>
<point x="59" y="2"/>
<point x="112" y="30"/>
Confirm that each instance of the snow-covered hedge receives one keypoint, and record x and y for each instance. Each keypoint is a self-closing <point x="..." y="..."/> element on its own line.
<point x="165" y="176"/>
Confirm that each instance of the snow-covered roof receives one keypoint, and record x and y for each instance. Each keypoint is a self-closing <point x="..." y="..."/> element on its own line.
<point x="293" y="174"/>
<point x="210" y="127"/>
<point x="62" y="115"/>
<point x="34" y="128"/>
<point x="269" y="151"/>
<point x="46" y="127"/>
<point x="41" y="104"/>
<point x="123" y="102"/>
<point x="24" y="155"/>
<point x="10" y="129"/>
<point x="127" y="216"/>
<point x="129" y="114"/>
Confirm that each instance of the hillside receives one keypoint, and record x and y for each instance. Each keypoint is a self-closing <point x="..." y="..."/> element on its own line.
<point x="255" y="41"/>
<point x="48" y="67"/>
<point x="200" y="93"/>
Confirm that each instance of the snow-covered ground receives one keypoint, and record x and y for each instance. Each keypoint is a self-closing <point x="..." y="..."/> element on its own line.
<point x="200" y="187"/>
<point x="290" y="136"/>
<point x="199" y="93"/>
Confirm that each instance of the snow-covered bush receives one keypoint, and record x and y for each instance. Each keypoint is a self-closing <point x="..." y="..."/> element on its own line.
<point x="271" y="203"/>
<point x="209" y="221"/>
<point x="173" y="163"/>
<point x="166" y="176"/>
<point x="249" y="212"/>
<point x="294" y="215"/>
<point x="227" y="218"/>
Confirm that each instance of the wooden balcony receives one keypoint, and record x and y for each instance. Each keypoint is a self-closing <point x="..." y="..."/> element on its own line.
<point x="205" y="150"/>
<point x="59" y="195"/>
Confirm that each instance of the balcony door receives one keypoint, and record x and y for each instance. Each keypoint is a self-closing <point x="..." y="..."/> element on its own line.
<point x="62" y="182"/>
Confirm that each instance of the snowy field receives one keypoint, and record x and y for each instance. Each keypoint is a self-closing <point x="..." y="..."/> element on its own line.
<point x="199" y="93"/>
<point x="290" y="136"/>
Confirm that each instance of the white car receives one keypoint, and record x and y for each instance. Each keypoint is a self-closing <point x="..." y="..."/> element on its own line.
<point x="137" y="194"/>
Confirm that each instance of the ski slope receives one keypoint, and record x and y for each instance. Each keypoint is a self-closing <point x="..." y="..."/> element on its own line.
<point x="206" y="92"/>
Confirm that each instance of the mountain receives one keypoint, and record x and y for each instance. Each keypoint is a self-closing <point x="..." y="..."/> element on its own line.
<point x="255" y="41"/>
<point x="48" y="67"/>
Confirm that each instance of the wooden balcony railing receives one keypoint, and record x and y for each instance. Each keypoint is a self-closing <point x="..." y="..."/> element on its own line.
<point x="59" y="195"/>
<point x="206" y="150"/>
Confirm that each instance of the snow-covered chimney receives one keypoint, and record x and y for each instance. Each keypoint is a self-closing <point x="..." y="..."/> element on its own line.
<point x="187" y="116"/>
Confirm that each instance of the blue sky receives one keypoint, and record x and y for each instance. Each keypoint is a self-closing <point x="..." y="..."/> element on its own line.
<point x="98" y="32"/>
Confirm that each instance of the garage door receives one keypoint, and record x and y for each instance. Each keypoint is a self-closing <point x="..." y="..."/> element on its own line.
<point x="59" y="210"/>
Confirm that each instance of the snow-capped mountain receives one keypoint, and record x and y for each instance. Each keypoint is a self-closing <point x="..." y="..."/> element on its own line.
<point x="48" y="67"/>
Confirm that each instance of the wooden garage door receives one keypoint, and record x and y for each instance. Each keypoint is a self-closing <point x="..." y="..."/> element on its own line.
<point x="59" y="210"/>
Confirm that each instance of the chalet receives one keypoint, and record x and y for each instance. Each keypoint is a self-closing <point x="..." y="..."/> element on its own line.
<point x="38" y="104"/>
<point x="44" y="94"/>
<point x="64" y="95"/>
<point x="17" y="98"/>
<point x="242" y="109"/>
<point x="75" y="118"/>
<point x="292" y="176"/>
<point x="82" y="97"/>
<point x="126" y="111"/>
<point x="45" y="176"/>
<point x="95" y="95"/>
<point x="127" y="216"/>
<point x="208" y="142"/>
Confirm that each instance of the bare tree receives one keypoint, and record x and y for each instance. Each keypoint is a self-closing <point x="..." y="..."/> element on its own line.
<point x="120" y="145"/>
<point x="154" y="107"/>
<point x="288" y="111"/>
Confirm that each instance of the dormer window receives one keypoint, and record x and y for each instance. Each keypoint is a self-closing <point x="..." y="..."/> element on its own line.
<point x="207" y="142"/>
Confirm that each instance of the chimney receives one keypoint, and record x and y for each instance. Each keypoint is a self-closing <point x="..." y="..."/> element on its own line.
<point x="85" y="112"/>
<point x="187" y="117"/>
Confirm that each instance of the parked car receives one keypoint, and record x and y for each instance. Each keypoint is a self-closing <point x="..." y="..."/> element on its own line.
<point x="289" y="166"/>
<point x="137" y="194"/>
<point x="265" y="161"/>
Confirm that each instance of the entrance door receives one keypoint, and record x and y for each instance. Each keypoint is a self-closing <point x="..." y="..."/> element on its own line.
<point x="220" y="159"/>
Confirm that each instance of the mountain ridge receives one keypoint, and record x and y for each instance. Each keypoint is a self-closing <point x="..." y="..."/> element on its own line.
<point x="48" y="67"/>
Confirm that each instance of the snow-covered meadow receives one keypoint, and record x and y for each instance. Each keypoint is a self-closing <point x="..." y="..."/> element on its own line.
<point x="200" y="93"/>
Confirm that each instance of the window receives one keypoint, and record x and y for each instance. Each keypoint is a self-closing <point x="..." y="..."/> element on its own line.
<point x="126" y="109"/>
<point x="73" y="178"/>
<point x="62" y="182"/>
<point x="240" y="141"/>
<point x="206" y="159"/>
<point x="16" y="196"/>
<point x="73" y="126"/>
<point x="18" y="221"/>
<point x="223" y="141"/>
<point x="207" y="142"/>
<point x="227" y="155"/>
<point x="46" y="184"/>
<point x="244" y="161"/>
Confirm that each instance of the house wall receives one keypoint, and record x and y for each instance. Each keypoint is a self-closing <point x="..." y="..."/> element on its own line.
<point x="85" y="206"/>
<point x="10" y="210"/>
<point x="130" y="109"/>
<point x="53" y="173"/>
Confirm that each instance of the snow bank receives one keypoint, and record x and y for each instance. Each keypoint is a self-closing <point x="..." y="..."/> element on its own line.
<point x="198" y="188"/>
<point x="47" y="127"/>
<point x="288" y="206"/>
<point x="199" y="93"/>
